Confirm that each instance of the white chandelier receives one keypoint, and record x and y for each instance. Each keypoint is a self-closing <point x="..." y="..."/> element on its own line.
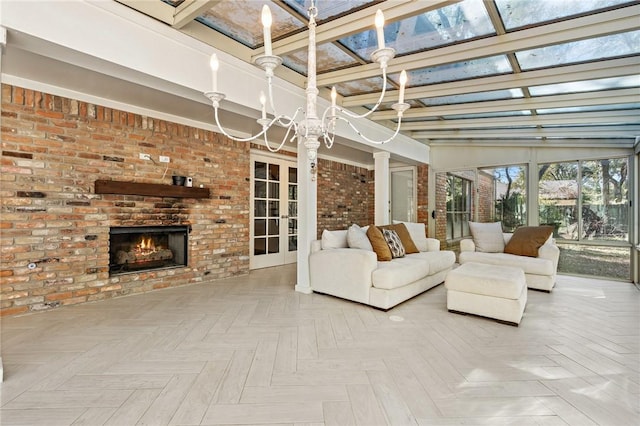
<point x="311" y="128"/>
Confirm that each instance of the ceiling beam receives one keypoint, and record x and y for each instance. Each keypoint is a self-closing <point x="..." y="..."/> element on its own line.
<point x="157" y="9"/>
<point x="565" y="74"/>
<point x="190" y="10"/>
<point x="602" y="97"/>
<point x="621" y="143"/>
<point x="584" y="118"/>
<point x="555" y="132"/>
<point x="601" y="24"/>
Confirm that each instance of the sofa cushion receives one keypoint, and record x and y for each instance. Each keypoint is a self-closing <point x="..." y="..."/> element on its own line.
<point x="418" y="234"/>
<point x="487" y="236"/>
<point x="399" y="272"/>
<point x="334" y="239"/>
<point x="379" y="244"/>
<point x="405" y="237"/>
<point x="526" y="240"/>
<point x="357" y="238"/>
<point x="438" y="260"/>
<point x="393" y="240"/>
<point x="530" y="265"/>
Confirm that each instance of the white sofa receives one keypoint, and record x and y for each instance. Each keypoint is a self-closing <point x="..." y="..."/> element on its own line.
<point x="356" y="274"/>
<point x="539" y="272"/>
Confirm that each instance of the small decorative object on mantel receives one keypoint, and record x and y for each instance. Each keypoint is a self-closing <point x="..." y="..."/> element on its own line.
<point x="178" y="180"/>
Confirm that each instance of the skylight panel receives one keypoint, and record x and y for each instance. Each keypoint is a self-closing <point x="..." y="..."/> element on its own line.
<point x="474" y="97"/>
<point x="358" y="87"/>
<point x="580" y="51"/>
<point x="521" y="13"/>
<point x="586" y="86"/>
<point x="240" y="20"/>
<point x="613" y="107"/>
<point x="329" y="57"/>
<point x="327" y="8"/>
<point x="487" y="115"/>
<point x="447" y="25"/>
<point x="464" y="70"/>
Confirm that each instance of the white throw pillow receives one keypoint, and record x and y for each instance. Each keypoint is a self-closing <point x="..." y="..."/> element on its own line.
<point x="357" y="238"/>
<point x="417" y="232"/>
<point x="334" y="239"/>
<point x="487" y="237"/>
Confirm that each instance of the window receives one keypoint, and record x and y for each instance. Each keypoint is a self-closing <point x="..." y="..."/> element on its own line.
<point x="506" y="188"/>
<point x="587" y="202"/>
<point x="459" y="202"/>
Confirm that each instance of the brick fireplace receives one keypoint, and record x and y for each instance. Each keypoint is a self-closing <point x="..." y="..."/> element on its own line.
<point x="145" y="248"/>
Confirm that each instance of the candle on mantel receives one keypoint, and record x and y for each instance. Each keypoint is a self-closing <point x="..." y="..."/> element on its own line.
<point x="214" y="71"/>
<point x="403" y="82"/>
<point x="380" y="28"/>
<point x="266" y="28"/>
<point x="263" y="102"/>
<point x="334" y="95"/>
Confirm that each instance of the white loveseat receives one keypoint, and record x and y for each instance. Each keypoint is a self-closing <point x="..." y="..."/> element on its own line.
<point x="356" y="274"/>
<point x="539" y="272"/>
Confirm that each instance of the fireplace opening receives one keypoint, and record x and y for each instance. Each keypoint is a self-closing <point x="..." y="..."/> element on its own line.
<point x="142" y="248"/>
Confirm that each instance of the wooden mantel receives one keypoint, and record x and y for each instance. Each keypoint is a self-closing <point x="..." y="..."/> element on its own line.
<point x="149" y="189"/>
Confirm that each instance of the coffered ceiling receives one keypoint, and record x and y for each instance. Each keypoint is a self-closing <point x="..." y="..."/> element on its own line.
<point x="506" y="70"/>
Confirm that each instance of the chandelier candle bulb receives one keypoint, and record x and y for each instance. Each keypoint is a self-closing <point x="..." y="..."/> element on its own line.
<point x="403" y="82"/>
<point x="380" y="28"/>
<point x="214" y="64"/>
<point x="334" y="95"/>
<point x="263" y="102"/>
<point x="266" y="28"/>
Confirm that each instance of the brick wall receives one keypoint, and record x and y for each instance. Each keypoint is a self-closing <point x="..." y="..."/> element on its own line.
<point x="345" y="196"/>
<point x="54" y="149"/>
<point x="441" y="208"/>
<point x="486" y="195"/>
<point x="423" y="194"/>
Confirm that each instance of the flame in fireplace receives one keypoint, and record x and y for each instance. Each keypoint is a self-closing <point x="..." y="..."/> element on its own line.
<point x="146" y="245"/>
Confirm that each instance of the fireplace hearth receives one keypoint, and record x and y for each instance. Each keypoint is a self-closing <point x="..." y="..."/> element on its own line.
<point x="142" y="248"/>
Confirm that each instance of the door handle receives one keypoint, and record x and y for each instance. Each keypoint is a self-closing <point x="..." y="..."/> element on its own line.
<point x="284" y="217"/>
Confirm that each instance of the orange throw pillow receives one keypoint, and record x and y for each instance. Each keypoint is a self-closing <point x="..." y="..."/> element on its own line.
<point x="379" y="244"/>
<point x="405" y="237"/>
<point x="526" y="240"/>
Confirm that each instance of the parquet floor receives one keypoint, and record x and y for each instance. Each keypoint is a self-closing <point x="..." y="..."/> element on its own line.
<point x="250" y="350"/>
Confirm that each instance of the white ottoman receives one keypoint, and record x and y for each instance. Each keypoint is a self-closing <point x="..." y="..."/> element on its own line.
<point x="498" y="292"/>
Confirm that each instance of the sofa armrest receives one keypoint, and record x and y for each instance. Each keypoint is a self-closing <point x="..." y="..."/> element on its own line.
<point x="316" y="245"/>
<point x="550" y="250"/>
<point x="433" y="244"/>
<point x="343" y="272"/>
<point x="467" y="245"/>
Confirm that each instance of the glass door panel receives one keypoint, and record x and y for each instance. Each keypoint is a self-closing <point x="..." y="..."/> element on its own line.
<point x="403" y="194"/>
<point x="274" y="212"/>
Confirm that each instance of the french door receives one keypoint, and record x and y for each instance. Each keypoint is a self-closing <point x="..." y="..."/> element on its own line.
<point x="274" y="211"/>
<point x="403" y="194"/>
